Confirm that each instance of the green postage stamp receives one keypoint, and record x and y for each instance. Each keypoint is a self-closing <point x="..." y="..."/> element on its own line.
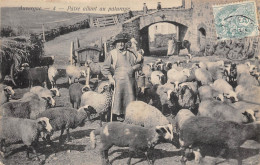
<point x="236" y="20"/>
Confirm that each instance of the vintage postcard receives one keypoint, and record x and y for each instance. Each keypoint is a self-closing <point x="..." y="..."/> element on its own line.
<point x="129" y="82"/>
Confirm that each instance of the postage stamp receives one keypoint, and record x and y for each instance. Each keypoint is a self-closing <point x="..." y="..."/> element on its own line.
<point x="236" y="20"/>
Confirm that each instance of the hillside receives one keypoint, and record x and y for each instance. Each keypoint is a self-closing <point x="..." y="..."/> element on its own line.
<point x="33" y="20"/>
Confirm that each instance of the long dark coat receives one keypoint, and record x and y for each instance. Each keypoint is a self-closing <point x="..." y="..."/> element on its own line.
<point x="125" y="88"/>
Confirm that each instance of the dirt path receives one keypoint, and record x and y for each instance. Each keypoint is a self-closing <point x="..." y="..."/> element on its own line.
<point x="60" y="46"/>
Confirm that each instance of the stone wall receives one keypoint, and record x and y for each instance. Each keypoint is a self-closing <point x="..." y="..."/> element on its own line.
<point x="132" y="28"/>
<point x="203" y="17"/>
<point x="200" y="16"/>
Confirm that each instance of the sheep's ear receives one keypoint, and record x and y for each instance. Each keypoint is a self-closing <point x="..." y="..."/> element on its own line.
<point x="160" y="130"/>
<point x="245" y="113"/>
<point x="53" y="92"/>
<point x="42" y="122"/>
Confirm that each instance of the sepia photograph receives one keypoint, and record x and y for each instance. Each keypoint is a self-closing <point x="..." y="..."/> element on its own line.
<point x="109" y="82"/>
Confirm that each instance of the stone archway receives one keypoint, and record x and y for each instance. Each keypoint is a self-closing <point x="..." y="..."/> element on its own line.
<point x="144" y="35"/>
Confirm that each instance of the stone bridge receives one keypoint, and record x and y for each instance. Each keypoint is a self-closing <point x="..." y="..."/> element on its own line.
<point x="194" y="22"/>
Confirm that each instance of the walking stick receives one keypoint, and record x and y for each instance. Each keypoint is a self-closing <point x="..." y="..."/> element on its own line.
<point x="112" y="104"/>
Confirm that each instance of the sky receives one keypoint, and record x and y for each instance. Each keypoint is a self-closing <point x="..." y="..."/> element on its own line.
<point x="91" y="6"/>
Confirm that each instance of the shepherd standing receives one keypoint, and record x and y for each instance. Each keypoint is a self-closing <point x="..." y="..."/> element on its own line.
<point x="124" y="62"/>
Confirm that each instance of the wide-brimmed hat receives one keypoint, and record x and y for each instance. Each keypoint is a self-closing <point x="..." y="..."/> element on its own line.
<point x="121" y="37"/>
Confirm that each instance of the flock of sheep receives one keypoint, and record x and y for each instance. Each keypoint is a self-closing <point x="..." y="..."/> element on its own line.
<point x="211" y="103"/>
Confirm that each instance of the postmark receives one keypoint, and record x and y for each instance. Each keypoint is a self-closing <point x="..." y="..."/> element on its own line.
<point x="236" y="20"/>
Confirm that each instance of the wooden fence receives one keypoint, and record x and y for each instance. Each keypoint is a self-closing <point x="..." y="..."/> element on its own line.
<point x="104" y="21"/>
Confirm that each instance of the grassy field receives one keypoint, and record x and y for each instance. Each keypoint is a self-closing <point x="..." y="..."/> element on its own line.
<point x="33" y="20"/>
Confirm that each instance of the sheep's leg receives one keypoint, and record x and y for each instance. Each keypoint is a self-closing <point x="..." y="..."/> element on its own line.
<point x="61" y="133"/>
<point x="68" y="135"/>
<point x="197" y="156"/>
<point x="34" y="151"/>
<point x="239" y="159"/>
<point x="44" y="84"/>
<point x="48" y="139"/>
<point x="104" y="154"/>
<point x="183" y="158"/>
<point x="149" y="154"/>
<point x="3" y="149"/>
<point x="101" y="116"/>
<point x="131" y="154"/>
<point x="222" y="152"/>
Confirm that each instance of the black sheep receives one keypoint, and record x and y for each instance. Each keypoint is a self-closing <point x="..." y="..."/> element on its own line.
<point x="205" y="130"/>
<point x="62" y="118"/>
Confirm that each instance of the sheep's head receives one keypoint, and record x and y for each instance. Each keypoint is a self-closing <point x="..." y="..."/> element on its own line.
<point x="166" y="132"/>
<point x="195" y="65"/>
<point x="55" y="92"/>
<point x="160" y="67"/>
<point x="50" y="101"/>
<point x="85" y="88"/>
<point x="107" y="88"/>
<point x="232" y="96"/>
<point x="249" y="116"/>
<point x="24" y="66"/>
<point x="83" y="73"/>
<point x="220" y="63"/>
<point x="151" y="65"/>
<point x="9" y="91"/>
<point x="88" y="110"/>
<point x="161" y="78"/>
<point x="44" y="124"/>
<point x="168" y="65"/>
<point x="158" y="61"/>
<point x="186" y="72"/>
<point x="202" y="65"/>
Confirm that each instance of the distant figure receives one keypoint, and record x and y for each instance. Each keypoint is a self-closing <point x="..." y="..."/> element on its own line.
<point x="145" y="9"/>
<point x="133" y="44"/>
<point x="130" y="14"/>
<point x="159" y="6"/>
<point x="171" y="46"/>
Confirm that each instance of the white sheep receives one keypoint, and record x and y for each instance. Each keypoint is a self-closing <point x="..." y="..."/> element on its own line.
<point x="95" y="69"/>
<point x="246" y="79"/>
<point x="207" y="92"/>
<point x="16" y="129"/>
<point x="157" y="77"/>
<point x="101" y="102"/>
<point x="222" y="86"/>
<point x="175" y="76"/>
<point x="53" y="76"/>
<point x="213" y="65"/>
<point x="166" y="98"/>
<point x="45" y="93"/>
<point x="6" y="92"/>
<point x="142" y="114"/>
<point x="148" y="69"/>
<point x="74" y="72"/>
<point x="27" y="107"/>
<point x="249" y="94"/>
<point x="203" y="76"/>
